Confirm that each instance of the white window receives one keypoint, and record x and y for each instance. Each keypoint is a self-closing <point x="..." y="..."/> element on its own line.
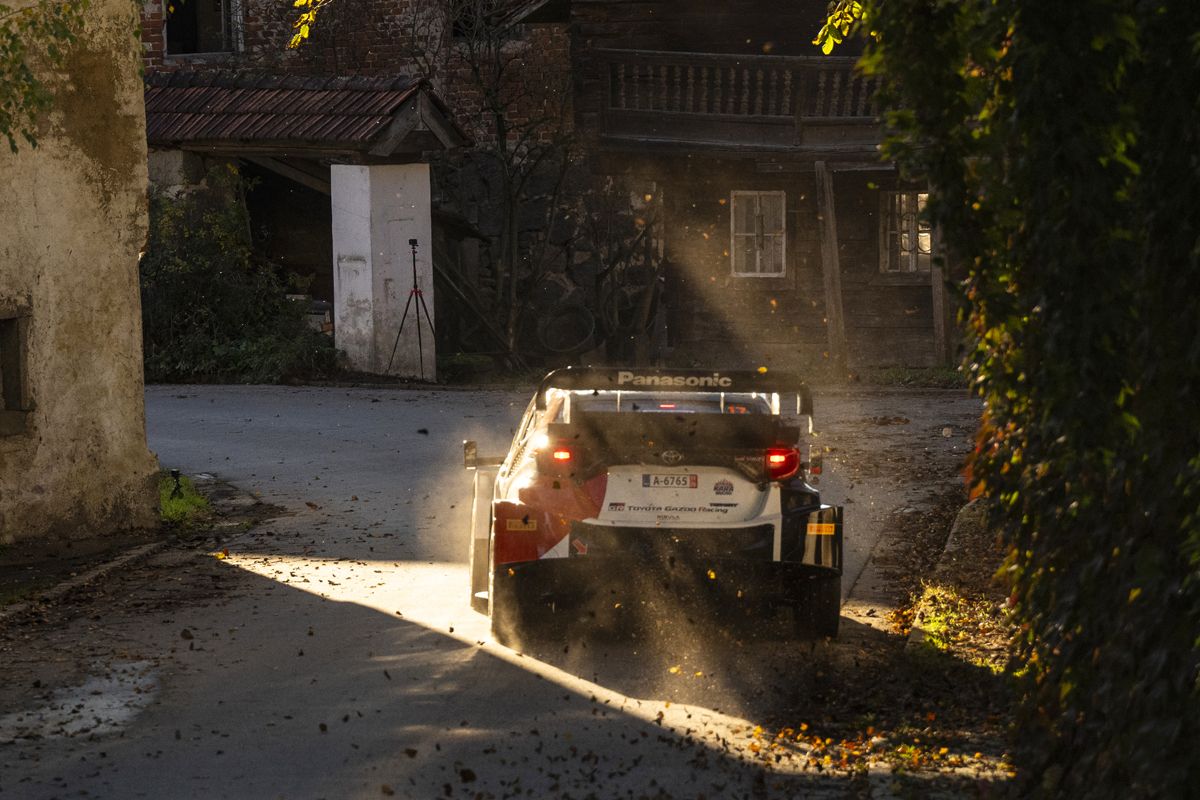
<point x="758" y="229"/>
<point x="905" y="238"/>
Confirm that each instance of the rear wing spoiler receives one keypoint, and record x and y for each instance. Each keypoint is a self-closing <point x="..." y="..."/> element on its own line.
<point x="676" y="380"/>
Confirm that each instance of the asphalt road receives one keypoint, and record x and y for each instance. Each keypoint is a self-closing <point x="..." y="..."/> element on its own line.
<point x="347" y="663"/>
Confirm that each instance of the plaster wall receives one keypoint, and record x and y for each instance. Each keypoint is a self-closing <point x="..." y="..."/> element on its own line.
<point x="376" y="210"/>
<point x="74" y="461"/>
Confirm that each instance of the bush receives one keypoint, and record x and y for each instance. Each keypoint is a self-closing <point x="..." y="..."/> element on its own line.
<point x="210" y="310"/>
<point x="1061" y="140"/>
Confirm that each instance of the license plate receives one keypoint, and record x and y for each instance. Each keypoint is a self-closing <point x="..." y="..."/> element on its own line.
<point x="670" y="481"/>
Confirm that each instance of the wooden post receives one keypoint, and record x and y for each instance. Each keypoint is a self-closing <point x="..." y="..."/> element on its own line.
<point x="945" y="331"/>
<point x="937" y="277"/>
<point x="831" y="267"/>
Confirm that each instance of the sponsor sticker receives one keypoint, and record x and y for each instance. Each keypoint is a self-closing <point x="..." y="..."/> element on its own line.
<point x="526" y="524"/>
<point x="822" y="528"/>
<point x="714" y="381"/>
<point x="616" y="506"/>
<point x="659" y="481"/>
<point x="723" y="486"/>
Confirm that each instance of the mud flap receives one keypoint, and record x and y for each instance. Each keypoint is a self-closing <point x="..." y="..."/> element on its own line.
<point x="823" y="538"/>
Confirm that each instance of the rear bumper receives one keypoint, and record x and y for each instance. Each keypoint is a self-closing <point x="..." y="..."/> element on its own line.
<point x="613" y="581"/>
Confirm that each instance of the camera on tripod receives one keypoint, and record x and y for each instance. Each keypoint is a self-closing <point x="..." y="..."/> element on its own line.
<point x="415" y="291"/>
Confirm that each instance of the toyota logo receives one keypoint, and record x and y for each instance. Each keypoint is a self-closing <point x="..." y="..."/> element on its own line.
<point x="672" y="456"/>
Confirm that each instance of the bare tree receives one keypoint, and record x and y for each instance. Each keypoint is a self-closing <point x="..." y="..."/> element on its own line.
<point x="523" y="128"/>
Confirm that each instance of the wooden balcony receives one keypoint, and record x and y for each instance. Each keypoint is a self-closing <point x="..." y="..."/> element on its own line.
<point x="753" y="103"/>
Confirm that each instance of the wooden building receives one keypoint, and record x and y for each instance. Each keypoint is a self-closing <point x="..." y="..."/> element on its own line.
<point x="778" y="235"/>
<point x="786" y="240"/>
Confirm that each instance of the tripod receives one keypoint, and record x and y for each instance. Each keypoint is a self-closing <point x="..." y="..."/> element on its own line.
<point x="415" y="291"/>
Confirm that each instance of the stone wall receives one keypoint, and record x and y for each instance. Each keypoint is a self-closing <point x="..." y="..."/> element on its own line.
<point x="73" y="457"/>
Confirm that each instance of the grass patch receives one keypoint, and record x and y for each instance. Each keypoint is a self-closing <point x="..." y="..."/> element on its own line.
<point x="970" y="628"/>
<point x="183" y="505"/>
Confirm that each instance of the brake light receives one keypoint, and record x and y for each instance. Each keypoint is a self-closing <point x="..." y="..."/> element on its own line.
<point x="782" y="463"/>
<point x="558" y="458"/>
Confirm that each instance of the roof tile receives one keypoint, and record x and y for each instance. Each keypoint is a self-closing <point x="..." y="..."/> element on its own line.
<point x="247" y="107"/>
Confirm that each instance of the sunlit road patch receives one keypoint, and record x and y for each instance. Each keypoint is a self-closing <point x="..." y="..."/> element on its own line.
<point x="405" y="590"/>
<point x="103" y="704"/>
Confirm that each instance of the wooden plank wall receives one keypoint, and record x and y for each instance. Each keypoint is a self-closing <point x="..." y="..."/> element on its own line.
<point x="782" y="321"/>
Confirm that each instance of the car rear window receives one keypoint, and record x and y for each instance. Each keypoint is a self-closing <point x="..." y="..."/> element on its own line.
<point x="670" y="402"/>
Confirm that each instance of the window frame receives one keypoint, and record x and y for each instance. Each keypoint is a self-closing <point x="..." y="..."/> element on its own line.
<point x="734" y="234"/>
<point x="17" y="403"/>
<point x="914" y="225"/>
<point x="233" y="20"/>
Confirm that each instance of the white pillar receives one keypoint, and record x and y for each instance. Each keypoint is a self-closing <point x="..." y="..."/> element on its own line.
<point x="376" y="210"/>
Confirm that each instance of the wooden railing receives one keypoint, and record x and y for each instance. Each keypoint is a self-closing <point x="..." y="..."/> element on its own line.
<point x="645" y="85"/>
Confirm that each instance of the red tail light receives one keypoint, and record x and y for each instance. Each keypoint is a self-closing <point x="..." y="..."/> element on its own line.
<point x="557" y="459"/>
<point x="781" y="463"/>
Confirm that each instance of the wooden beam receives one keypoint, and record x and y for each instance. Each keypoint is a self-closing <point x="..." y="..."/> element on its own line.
<point x="404" y="123"/>
<point x="300" y="176"/>
<point x="831" y="267"/>
<point x="435" y="121"/>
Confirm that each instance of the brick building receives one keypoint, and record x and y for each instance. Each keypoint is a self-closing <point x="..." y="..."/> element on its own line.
<point x="719" y="195"/>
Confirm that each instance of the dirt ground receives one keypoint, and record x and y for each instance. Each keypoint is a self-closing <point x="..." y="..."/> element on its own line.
<point x="889" y="718"/>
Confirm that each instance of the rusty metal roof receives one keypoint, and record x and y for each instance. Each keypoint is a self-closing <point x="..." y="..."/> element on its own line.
<point x="230" y="108"/>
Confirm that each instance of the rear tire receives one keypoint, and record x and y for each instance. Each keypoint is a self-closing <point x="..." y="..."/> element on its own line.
<point x="820" y="610"/>
<point x="518" y="619"/>
<point x="510" y="624"/>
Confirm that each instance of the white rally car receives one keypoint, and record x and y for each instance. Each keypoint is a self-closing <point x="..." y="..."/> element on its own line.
<point x="620" y="481"/>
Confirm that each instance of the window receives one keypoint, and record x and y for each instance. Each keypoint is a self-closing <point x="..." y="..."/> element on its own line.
<point x="758" y="233"/>
<point x="906" y="240"/>
<point x="14" y="397"/>
<point x="201" y="26"/>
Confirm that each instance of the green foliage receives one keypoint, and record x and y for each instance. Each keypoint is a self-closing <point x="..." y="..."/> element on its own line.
<point x="1061" y="140"/>
<point x="33" y="39"/>
<point x="184" y="507"/>
<point x="841" y="20"/>
<point x="211" y="312"/>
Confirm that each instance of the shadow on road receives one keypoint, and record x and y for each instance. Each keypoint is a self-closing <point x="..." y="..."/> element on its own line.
<point x="279" y="692"/>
